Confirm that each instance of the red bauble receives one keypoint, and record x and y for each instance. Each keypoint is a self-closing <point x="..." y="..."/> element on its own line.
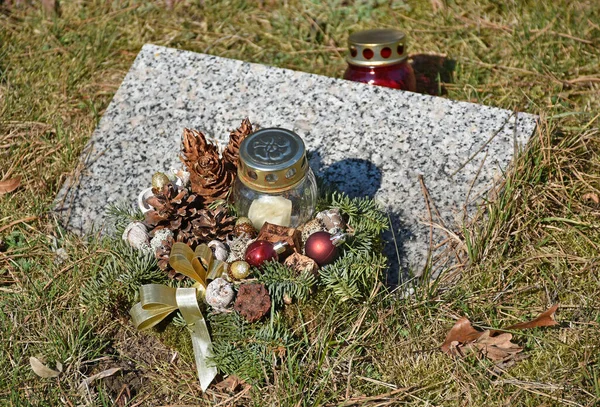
<point x="320" y="248"/>
<point x="260" y="251"/>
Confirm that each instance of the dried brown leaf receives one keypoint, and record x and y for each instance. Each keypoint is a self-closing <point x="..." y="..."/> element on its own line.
<point x="494" y="344"/>
<point x="9" y="185"/>
<point x="544" y="319"/>
<point x="230" y="385"/>
<point x="103" y="374"/>
<point x="462" y="332"/>
<point x="591" y="196"/>
<point x="495" y="348"/>
<point x="41" y="369"/>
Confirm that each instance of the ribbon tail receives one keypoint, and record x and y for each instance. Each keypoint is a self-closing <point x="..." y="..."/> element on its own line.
<point x="201" y="342"/>
<point x="202" y="352"/>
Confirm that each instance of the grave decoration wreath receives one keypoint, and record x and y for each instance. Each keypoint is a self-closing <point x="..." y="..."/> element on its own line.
<point x="228" y="274"/>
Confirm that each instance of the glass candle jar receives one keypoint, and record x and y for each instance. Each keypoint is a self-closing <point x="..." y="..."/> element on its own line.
<point x="379" y="57"/>
<point x="274" y="182"/>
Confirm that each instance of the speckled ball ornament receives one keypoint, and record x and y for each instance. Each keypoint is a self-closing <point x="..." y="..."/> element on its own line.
<point x="245" y="228"/>
<point x="332" y="220"/>
<point x="219" y="294"/>
<point x="238" y="270"/>
<point x="237" y="248"/>
<point x="159" y="180"/>
<point x="310" y="227"/>
<point x="137" y="236"/>
<point x="219" y="249"/>
<point x="160" y="236"/>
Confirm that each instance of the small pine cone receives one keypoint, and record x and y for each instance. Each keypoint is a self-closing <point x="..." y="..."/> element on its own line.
<point x="231" y="153"/>
<point x="162" y="254"/>
<point x="253" y="301"/>
<point x="210" y="178"/>
<point x="213" y="224"/>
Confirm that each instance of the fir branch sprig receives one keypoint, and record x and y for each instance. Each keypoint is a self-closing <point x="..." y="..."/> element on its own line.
<point x="281" y="280"/>
<point x="364" y="214"/>
<point x="247" y="350"/>
<point x="354" y="275"/>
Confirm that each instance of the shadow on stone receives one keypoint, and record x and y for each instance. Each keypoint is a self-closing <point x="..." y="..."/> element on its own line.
<point x="359" y="178"/>
<point x="431" y="72"/>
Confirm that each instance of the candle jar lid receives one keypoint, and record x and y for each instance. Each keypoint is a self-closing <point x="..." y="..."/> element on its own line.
<point x="377" y="47"/>
<point x="272" y="160"/>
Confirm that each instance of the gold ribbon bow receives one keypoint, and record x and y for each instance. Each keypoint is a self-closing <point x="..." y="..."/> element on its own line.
<point x="158" y="300"/>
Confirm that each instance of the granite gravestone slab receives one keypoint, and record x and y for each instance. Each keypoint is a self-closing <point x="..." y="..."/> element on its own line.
<point x="367" y="140"/>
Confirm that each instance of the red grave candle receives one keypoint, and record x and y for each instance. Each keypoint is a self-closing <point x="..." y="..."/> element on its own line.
<point x="379" y="57"/>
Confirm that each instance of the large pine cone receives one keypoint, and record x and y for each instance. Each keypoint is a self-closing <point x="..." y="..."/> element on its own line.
<point x="209" y="176"/>
<point x="231" y="154"/>
<point x="211" y="224"/>
<point x="253" y="301"/>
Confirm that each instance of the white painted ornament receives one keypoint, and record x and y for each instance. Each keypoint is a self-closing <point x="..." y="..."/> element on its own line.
<point x="273" y="209"/>
<point x="219" y="294"/>
<point x="142" y="197"/>
<point x="137" y="236"/>
<point x="219" y="249"/>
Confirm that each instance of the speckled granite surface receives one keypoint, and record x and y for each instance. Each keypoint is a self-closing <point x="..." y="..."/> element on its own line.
<point x="368" y="140"/>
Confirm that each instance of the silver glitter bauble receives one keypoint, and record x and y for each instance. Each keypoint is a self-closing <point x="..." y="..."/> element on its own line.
<point x="219" y="294"/>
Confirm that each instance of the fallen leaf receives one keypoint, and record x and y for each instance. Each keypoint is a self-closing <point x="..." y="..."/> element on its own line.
<point x="9" y="185"/>
<point x="462" y="332"/>
<point x="590" y="196"/>
<point x="494" y="344"/>
<point x="103" y="374"/>
<point x="546" y="318"/>
<point x="495" y="348"/>
<point x="230" y="384"/>
<point x="41" y="369"/>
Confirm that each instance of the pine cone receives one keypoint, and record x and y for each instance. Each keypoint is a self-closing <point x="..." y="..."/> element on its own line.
<point x="174" y="210"/>
<point x="162" y="255"/>
<point x="209" y="176"/>
<point x="253" y="301"/>
<point x="231" y="153"/>
<point x="211" y="224"/>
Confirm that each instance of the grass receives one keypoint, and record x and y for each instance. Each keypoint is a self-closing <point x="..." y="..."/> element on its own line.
<point x="534" y="242"/>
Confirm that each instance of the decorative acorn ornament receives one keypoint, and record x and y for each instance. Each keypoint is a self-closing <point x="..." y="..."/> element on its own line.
<point x="322" y="247"/>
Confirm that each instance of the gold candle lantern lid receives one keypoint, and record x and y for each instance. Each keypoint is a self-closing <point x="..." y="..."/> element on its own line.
<point x="272" y="160"/>
<point x="377" y="47"/>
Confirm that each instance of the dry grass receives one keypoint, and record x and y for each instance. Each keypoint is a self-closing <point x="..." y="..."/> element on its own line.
<point x="534" y="243"/>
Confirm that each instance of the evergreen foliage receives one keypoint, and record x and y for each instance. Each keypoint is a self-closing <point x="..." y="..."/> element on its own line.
<point x="124" y="269"/>
<point x="281" y="280"/>
<point x="353" y="276"/>
<point x="247" y="350"/>
<point x="366" y="219"/>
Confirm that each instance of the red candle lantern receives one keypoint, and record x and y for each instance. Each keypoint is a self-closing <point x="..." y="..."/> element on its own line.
<point x="379" y="57"/>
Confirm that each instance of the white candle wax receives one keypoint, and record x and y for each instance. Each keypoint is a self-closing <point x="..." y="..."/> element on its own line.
<point x="272" y="209"/>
